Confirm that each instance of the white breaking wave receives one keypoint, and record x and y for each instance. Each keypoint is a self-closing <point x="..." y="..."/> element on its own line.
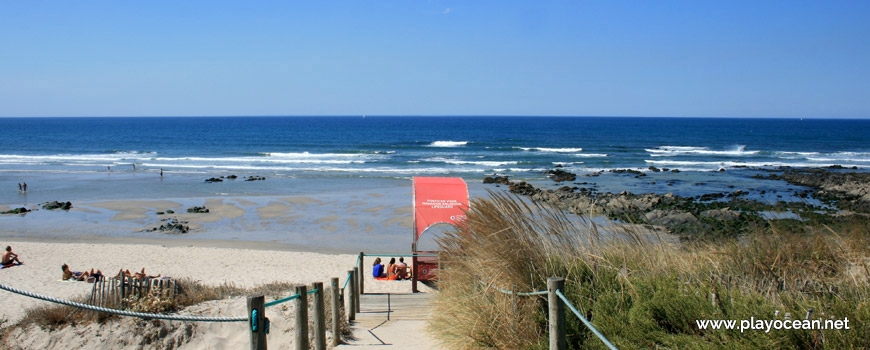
<point x="798" y="153"/>
<point x="666" y="151"/>
<point x="469" y="162"/>
<point x="591" y="155"/>
<point x="101" y="157"/>
<point x="730" y="164"/>
<point x="552" y="150"/>
<point x="448" y="143"/>
<point x="296" y="155"/>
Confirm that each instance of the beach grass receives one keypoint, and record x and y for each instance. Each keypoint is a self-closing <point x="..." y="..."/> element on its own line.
<point x="642" y="290"/>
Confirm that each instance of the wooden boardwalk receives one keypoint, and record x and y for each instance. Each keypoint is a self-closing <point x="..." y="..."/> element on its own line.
<point x="405" y="328"/>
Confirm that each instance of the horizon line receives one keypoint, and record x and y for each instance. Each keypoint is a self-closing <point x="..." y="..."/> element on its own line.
<point x="430" y="116"/>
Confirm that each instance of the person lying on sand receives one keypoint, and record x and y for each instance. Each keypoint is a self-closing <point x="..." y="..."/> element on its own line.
<point x="9" y="257"/>
<point x="140" y="275"/>
<point x="91" y="276"/>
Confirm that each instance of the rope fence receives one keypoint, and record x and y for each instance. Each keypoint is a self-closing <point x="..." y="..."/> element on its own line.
<point x="147" y="316"/>
<point x="279" y="301"/>
<point x="585" y="322"/>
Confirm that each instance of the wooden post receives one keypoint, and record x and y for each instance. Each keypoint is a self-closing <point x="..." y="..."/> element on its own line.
<point x="258" y="337"/>
<point x="362" y="274"/>
<point x="336" y="312"/>
<point x="356" y="288"/>
<point x="556" y="313"/>
<point x="414" y="268"/>
<point x="302" y="317"/>
<point x="319" y="317"/>
<point x="351" y="299"/>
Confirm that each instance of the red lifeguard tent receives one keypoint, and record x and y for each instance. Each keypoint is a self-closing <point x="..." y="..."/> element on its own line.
<point x="436" y="200"/>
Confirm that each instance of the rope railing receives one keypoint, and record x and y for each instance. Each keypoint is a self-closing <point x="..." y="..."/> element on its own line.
<point x="284" y="300"/>
<point x="523" y="294"/>
<point x="147" y="316"/>
<point x="585" y="322"/>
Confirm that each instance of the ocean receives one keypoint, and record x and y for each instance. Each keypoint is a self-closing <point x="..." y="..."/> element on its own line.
<point x="343" y="183"/>
<point x="434" y="146"/>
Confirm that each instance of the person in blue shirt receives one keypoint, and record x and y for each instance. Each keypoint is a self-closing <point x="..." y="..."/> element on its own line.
<point x="378" y="268"/>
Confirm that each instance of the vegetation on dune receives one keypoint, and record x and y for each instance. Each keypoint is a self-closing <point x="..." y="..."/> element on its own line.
<point x="190" y="292"/>
<point x="644" y="291"/>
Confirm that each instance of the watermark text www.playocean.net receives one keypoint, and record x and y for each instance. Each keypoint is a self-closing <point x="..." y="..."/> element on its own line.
<point x="753" y="324"/>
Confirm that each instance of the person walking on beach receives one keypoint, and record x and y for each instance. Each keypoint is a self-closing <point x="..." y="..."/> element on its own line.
<point x="9" y="257"/>
<point x="161" y="172"/>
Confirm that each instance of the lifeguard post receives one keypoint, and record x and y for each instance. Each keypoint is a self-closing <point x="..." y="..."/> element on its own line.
<point x="437" y="200"/>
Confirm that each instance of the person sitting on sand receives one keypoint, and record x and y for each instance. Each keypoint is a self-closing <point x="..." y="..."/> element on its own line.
<point x="378" y="268"/>
<point x="401" y="269"/>
<point x="391" y="269"/>
<point x="9" y="257"/>
<point x="92" y="276"/>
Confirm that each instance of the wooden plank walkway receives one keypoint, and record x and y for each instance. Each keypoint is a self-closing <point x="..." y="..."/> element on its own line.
<point x="406" y="328"/>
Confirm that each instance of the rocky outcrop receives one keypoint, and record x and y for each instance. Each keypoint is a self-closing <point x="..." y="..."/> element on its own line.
<point x="213" y="179"/>
<point x="172" y="226"/>
<point x="197" y="210"/>
<point x="255" y="178"/>
<point x="721" y="214"/>
<point x="560" y="175"/>
<point x="670" y="218"/>
<point x="21" y="210"/>
<point x="502" y="180"/>
<point x="56" y="205"/>
<point x="848" y="190"/>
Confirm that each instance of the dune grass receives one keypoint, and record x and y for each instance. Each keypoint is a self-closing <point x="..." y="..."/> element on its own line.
<point x="642" y="290"/>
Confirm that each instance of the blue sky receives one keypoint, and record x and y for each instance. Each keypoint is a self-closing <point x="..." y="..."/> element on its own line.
<point x="407" y="57"/>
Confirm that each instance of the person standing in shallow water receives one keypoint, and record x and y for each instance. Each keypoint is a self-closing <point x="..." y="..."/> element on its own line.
<point x="19" y="187"/>
<point x="25" y="187"/>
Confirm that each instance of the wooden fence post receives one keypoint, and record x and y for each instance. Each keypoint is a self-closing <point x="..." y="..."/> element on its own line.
<point x="258" y="337"/>
<point x="336" y="313"/>
<point x="319" y="317"/>
<point x="356" y="288"/>
<point x="556" y="313"/>
<point x="362" y="274"/>
<point x="302" y="318"/>
<point x="351" y="299"/>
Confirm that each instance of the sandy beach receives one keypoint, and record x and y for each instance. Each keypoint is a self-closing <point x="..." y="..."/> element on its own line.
<point x="245" y="267"/>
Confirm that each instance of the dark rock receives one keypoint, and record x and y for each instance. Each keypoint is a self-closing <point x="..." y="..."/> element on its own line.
<point x="56" y="205"/>
<point x="654" y="169"/>
<point x="21" y="210"/>
<point x="173" y="226"/>
<point x="197" y="210"/>
<point x="560" y="175"/>
<point x="213" y="179"/>
<point x="232" y="177"/>
<point x="255" y="178"/>
<point x="496" y="180"/>
<point x="523" y="188"/>
<point x="737" y="193"/>
<point x="710" y="196"/>
<point x="675" y="170"/>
